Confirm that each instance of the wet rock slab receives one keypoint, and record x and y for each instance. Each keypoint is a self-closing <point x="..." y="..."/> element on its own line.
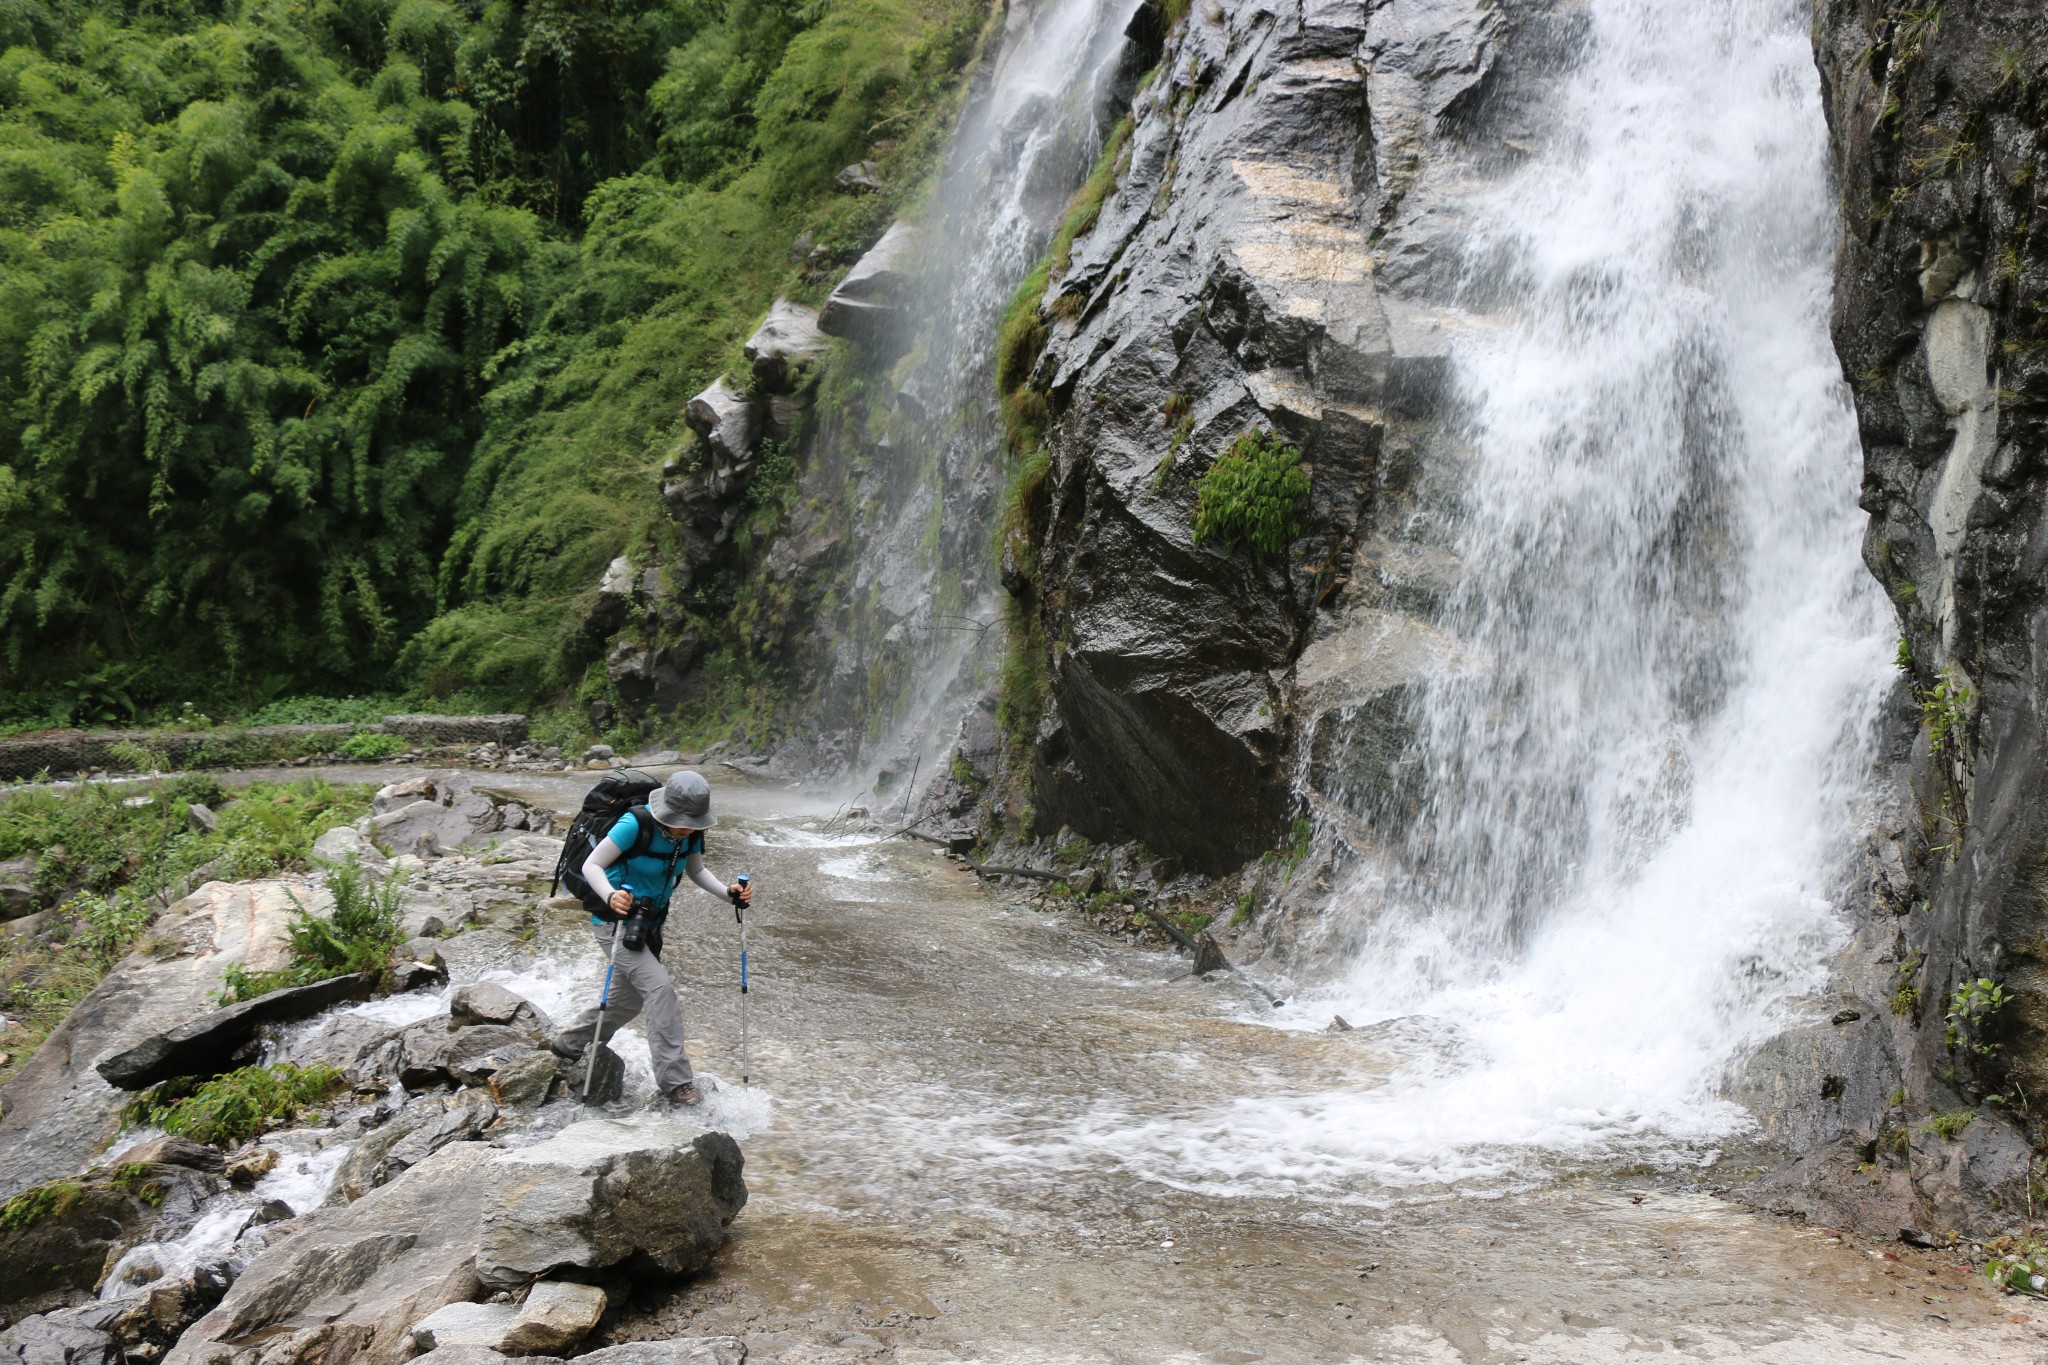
<point x="70" y="1229"/>
<point x="210" y="1044"/>
<point x="555" y="1316"/>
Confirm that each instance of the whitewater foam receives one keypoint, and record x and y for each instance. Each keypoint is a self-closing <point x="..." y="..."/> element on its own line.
<point x="1643" y="766"/>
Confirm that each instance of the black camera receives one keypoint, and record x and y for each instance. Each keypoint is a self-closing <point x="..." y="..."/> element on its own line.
<point x="633" y="934"/>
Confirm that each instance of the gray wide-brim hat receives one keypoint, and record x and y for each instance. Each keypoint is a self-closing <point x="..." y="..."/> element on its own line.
<point x="685" y="799"/>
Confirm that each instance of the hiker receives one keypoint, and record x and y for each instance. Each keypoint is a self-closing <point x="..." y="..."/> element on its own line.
<point x="631" y="862"/>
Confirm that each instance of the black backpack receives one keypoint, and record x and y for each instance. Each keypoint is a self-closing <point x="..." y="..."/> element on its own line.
<point x="624" y="792"/>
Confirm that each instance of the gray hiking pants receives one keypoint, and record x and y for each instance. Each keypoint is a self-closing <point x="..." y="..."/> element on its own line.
<point x="640" y="984"/>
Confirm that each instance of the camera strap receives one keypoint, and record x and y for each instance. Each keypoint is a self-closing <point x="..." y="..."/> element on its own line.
<point x="678" y="850"/>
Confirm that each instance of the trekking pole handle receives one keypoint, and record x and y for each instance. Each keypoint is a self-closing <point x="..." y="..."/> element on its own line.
<point x="744" y="879"/>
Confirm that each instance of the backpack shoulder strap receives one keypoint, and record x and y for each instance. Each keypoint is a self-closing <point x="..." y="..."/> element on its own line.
<point x="643" y="831"/>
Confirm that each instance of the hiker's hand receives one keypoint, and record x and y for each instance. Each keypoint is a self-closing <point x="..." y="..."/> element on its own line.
<point x="742" y="893"/>
<point x="621" y="903"/>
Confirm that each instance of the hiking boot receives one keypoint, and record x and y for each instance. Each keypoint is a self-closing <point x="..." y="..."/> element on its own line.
<point x="686" y="1094"/>
<point x="564" y="1051"/>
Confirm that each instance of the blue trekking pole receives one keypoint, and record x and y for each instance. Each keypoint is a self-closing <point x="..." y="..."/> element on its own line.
<point x="604" y="998"/>
<point x="745" y="878"/>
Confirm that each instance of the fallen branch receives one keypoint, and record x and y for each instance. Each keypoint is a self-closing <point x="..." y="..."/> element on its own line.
<point x="1180" y="936"/>
<point x="991" y="870"/>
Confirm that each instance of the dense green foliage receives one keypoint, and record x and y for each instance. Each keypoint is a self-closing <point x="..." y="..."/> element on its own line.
<point x="361" y="935"/>
<point x="1249" y="495"/>
<point x="236" y="1107"/>
<point x="347" y="334"/>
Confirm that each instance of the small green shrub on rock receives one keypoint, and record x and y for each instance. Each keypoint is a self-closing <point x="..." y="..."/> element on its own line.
<point x="1949" y="1126"/>
<point x="360" y="936"/>
<point x="237" y="1106"/>
<point x="1944" y="711"/>
<point x="1248" y="497"/>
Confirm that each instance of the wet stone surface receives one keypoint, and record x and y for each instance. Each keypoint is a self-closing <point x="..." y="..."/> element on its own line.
<point x="991" y="1135"/>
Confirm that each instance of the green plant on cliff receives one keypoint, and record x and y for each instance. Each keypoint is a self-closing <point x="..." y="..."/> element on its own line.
<point x="1948" y="1126"/>
<point x="1021" y="337"/>
<point x="1085" y="208"/>
<point x="1023" y="688"/>
<point x="1248" y="497"/>
<point x="1905" y="993"/>
<point x="1944" y="712"/>
<point x="235" y="1107"/>
<point x="1019" y="342"/>
<point x="1971" y="1008"/>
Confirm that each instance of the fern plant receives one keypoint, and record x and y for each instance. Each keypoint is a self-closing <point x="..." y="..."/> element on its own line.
<point x="1248" y="497"/>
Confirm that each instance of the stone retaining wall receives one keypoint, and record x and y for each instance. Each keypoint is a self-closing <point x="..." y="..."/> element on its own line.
<point x="71" y="751"/>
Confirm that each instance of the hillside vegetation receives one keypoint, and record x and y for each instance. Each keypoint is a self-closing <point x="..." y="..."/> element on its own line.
<point x="343" y="338"/>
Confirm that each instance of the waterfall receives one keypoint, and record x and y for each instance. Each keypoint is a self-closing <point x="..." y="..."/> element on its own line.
<point x="926" y="628"/>
<point x="1641" y="767"/>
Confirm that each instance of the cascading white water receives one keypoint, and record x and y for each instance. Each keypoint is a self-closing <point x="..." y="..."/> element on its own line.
<point x="924" y="573"/>
<point x="1642" y="767"/>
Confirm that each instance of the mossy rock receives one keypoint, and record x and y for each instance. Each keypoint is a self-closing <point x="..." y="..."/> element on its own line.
<point x="58" y="1238"/>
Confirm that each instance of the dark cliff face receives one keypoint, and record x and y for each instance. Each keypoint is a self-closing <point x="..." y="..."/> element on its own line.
<point x="1936" y="117"/>
<point x="1235" y="283"/>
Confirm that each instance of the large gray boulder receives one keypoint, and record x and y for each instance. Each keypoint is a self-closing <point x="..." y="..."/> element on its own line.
<point x="785" y="346"/>
<point x="353" y="1281"/>
<point x="726" y="418"/>
<point x="602" y="1193"/>
<point x="875" y="292"/>
<point x="431" y="816"/>
<point x="487" y="1002"/>
<point x="53" y="1340"/>
<point x="437" y="1052"/>
<point x="426" y="1125"/>
<point x="344" y="842"/>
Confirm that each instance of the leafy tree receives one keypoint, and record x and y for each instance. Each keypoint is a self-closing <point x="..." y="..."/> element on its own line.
<point x="340" y="335"/>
